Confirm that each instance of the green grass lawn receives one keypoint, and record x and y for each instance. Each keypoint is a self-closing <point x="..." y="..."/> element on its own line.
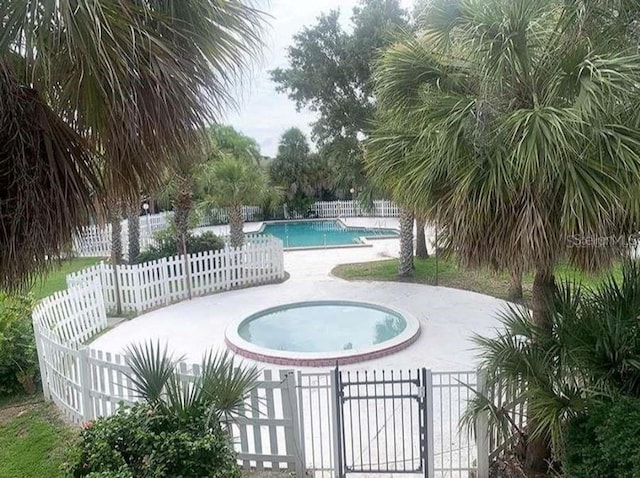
<point x="451" y="275"/>
<point x="55" y="280"/>
<point x="33" y="439"/>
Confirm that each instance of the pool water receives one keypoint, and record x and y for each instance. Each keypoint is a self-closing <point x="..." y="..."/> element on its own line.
<point x="322" y="327"/>
<point x="322" y="233"/>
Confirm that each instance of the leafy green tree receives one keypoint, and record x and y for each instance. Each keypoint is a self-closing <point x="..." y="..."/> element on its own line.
<point x="232" y="182"/>
<point x="330" y="73"/>
<point x="300" y="173"/>
<point x="226" y="139"/>
<point x="95" y="98"/>
<point x="510" y="121"/>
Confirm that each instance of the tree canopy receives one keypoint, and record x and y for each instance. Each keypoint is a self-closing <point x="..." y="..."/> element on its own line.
<point x="227" y="140"/>
<point x="330" y="72"/>
<point x="300" y="172"/>
<point x="514" y="123"/>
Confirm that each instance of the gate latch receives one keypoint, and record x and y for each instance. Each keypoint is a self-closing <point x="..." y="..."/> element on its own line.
<point x="421" y="392"/>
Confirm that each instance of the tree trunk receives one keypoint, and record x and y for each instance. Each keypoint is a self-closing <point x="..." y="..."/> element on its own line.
<point x="515" y="285"/>
<point x="421" y="239"/>
<point x="181" y="210"/>
<point x="133" y="224"/>
<point x="236" y="226"/>
<point x="539" y="449"/>
<point x="544" y="287"/>
<point x="405" y="263"/>
<point x="115" y="218"/>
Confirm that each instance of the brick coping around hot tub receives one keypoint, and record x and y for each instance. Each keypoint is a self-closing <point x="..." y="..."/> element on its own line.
<point x="324" y="361"/>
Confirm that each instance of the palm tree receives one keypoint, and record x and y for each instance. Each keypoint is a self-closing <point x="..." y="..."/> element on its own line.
<point x="588" y="354"/>
<point x="405" y="261"/>
<point x="512" y="122"/>
<point x="231" y="183"/>
<point x="421" y="239"/>
<point x="133" y="229"/>
<point x="220" y="389"/>
<point x="96" y="97"/>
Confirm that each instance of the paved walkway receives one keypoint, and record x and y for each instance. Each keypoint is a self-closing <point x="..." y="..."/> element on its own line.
<point x="448" y="317"/>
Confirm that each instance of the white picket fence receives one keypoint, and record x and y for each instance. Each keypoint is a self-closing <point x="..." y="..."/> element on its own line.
<point x="86" y="383"/>
<point x="92" y="241"/>
<point x="95" y="240"/>
<point x="146" y="286"/>
<point x="290" y="416"/>
<point x="330" y="209"/>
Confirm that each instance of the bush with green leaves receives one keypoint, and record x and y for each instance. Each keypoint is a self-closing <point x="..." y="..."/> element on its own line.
<point x="605" y="442"/>
<point x="589" y="352"/>
<point x="301" y="204"/>
<point x="145" y="442"/>
<point x="18" y="356"/>
<point x="221" y="386"/>
<point x="167" y="246"/>
<point x="180" y="430"/>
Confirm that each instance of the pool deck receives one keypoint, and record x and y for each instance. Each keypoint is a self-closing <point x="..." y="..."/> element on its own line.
<point x="448" y="317"/>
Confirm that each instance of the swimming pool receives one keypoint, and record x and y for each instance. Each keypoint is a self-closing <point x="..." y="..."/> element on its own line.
<point x="321" y="333"/>
<point x="322" y="233"/>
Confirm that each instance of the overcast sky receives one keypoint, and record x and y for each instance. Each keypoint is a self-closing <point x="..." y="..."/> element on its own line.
<point x="265" y="114"/>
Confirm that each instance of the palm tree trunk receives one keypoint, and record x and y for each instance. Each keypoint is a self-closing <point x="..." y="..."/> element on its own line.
<point x="421" y="239"/>
<point x="236" y="226"/>
<point x="133" y="225"/>
<point x="544" y="287"/>
<point x="539" y="449"/>
<point x="515" y="285"/>
<point x="181" y="210"/>
<point x="115" y="218"/>
<point x="405" y="263"/>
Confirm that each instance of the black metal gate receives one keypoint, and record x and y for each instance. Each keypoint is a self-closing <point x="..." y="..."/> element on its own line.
<point x="383" y="421"/>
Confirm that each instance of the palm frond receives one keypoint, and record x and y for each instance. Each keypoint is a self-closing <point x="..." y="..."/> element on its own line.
<point x="226" y="384"/>
<point x="135" y="80"/>
<point x="153" y="368"/>
<point x="49" y="180"/>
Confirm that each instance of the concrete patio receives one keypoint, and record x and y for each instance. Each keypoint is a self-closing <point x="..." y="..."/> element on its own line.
<point x="448" y="317"/>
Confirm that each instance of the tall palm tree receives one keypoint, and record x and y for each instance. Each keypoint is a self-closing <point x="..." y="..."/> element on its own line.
<point x="405" y="261"/>
<point x="588" y="355"/>
<point x="518" y="127"/>
<point x="133" y="229"/>
<point x="117" y="83"/>
<point x="421" y="239"/>
<point x="233" y="182"/>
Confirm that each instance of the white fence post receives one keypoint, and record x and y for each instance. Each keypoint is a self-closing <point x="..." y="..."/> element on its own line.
<point x="163" y="264"/>
<point x="430" y="442"/>
<point x="293" y="440"/>
<point x="336" y="423"/>
<point x="297" y="425"/>
<point x="41" y="362"/>
<point x="482" y="430"/>
<point x="85" y="384"/>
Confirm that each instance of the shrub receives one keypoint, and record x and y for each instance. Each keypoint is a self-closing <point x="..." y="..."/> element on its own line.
<point x="301" y="204"/>
<point x="167" y="246"/>
<point x="142" y="442"/>
<point x="18" y="356"/>
<point x="605" y="442"/>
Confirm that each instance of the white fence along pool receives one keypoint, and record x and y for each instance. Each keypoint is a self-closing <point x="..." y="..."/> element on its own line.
<point x="292" y="415"/>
